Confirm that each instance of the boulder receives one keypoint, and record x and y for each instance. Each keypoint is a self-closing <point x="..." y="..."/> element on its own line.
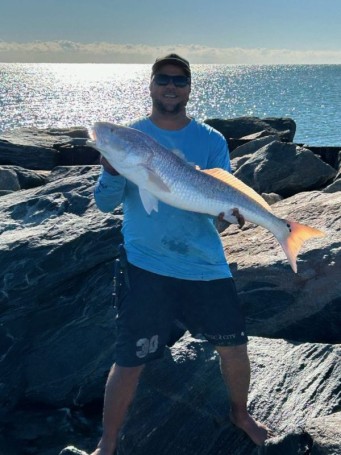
<point x="56" y="254"/>
<point x="28" y="156"/>
<point x="284" y="169"/>
<point x="21" y="179"/>
<point x="335" y="186"/>
<point x="34" y="148"/>
<point x="252" y="146"/>
<point x="240" y="127"/>
<point x="184" y="403"/>
<point x="8" y="180"/>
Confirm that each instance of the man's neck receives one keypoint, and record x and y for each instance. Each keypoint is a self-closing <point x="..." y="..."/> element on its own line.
<point x="171" y="121"/>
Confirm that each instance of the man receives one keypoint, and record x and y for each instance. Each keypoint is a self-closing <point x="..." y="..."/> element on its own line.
<point x="176" y="265"/>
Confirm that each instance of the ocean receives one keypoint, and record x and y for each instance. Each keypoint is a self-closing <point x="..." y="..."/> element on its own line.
<point x="64" y="95"/>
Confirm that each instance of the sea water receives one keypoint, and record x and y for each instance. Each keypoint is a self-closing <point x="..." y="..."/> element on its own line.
<point x="64" y="95"/>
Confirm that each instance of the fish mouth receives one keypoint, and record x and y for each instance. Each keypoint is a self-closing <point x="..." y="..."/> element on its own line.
<point x="92" y="134"/>
<point x="92" y="141"/>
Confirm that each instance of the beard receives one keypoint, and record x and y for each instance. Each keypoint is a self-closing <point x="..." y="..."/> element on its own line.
<point x="166" y="109"/>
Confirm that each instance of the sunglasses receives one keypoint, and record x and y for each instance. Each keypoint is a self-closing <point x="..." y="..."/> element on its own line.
<point x="178" y="81"/>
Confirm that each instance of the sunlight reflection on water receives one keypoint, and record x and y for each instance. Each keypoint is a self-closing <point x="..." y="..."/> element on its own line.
<point x="61" y="95"/>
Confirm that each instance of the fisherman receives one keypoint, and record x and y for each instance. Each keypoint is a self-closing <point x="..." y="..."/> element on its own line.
<point x="175" y="268"/>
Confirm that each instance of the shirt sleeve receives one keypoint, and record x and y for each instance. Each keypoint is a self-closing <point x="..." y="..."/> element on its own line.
<point x="109" y="191"/>
<point x="219" y="156"/>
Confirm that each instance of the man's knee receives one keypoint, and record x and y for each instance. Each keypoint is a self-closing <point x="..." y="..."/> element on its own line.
<point x="232" y="352"/>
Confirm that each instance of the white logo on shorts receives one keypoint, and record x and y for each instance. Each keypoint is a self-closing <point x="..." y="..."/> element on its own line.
<point x="147" y="346"/>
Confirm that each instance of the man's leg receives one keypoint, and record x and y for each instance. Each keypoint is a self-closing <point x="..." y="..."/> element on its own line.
<point x="235" y="368"/>
<point x="119" y="393"/>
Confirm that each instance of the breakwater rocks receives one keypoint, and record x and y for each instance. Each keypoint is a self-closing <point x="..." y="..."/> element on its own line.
<point x="57" y="327"/>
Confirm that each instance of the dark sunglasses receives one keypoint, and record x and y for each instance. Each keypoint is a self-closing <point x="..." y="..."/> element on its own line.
<point x="178" y="81"/>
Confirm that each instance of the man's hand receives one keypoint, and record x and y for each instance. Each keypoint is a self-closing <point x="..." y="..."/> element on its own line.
<point x="239" y="217"/>
<point x="107" y="166"/>
<point x="235" y="218"/>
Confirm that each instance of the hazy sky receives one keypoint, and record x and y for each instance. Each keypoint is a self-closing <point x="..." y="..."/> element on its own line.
<point x="205" y="31"/>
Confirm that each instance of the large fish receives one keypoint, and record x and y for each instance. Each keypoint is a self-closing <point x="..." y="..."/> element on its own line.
<point x="164" y="175"/>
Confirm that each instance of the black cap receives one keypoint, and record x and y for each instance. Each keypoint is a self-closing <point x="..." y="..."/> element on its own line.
<point x="172" y="59"/>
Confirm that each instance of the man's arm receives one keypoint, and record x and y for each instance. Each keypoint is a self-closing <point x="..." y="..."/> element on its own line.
<point x="109" y="189"/>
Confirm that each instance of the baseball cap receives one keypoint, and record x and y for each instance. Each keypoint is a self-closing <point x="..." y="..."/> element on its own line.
<point x="172" y="59"/>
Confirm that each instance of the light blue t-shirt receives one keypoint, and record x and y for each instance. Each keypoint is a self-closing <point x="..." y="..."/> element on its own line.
<point x="171" y="242"/>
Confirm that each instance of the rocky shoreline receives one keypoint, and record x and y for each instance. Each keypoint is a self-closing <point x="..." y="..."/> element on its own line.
<point x="57" y="323"/>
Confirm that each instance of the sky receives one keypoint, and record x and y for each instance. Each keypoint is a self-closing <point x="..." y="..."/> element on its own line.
<point x="204" y="31"/>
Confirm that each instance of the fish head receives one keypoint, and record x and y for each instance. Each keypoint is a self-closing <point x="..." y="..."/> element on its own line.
<point x="118" y="144"/>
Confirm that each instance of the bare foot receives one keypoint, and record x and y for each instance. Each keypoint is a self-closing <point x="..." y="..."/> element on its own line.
<point x="257" y="432"/>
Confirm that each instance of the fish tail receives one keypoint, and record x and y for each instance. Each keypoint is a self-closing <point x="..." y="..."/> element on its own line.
<point x="297" y="235"/>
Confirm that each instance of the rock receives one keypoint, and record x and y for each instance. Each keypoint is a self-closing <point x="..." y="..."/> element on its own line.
<point x="45" y="138"/>
<point x="284" y="169"/>
<point x="333" y="187"/>
<point x="325" y="432"/>
<point x="236" y="163"/>
<point x="319" y="436"/>
<point x="240" y="127"/>
<point x="34" y="148"/>
<point x="254" y="136"/>
<point x="271" y="198"/>
<point x="23" y="178"/>
<point x="28" y="156"/>
<point x="185" y="405"/>
<point x="252" y="146"/>
<point x="276" y="302"/>
<point x="330" y="155"/>
<point x="8" y="180"/>
<point x="74" y="155"/>
<point x="56" y="254"/>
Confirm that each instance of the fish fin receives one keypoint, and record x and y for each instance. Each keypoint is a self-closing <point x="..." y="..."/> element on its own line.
<point x="297" y="235"/>
<point x="157" y="181"/>
<point x="233" y="181"/>
<point x="149" y="201"/>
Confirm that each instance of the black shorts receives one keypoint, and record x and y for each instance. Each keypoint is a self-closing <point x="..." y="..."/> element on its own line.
<point x="148" y="304"/>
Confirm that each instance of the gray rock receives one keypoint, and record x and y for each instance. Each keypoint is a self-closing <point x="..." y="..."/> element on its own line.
<point x="284" y="169"/>
<point x="333" y="187"/>
<point x="336" y="185"/>
<point x="278" y="303"/>
<point x="240" y="127"/>
<point x="325" y="433"/>
<point x="8" y="180"/>
<point x="271" y="198"/>
<point x="28" y="156"/>
<point x="252" y="146"/>
<point x="34" y="148"/>
<point x="24" y="178"/>
<point x="185" y="405"/>
<point x="45" y="138"/>
<point x="56" y="253"/>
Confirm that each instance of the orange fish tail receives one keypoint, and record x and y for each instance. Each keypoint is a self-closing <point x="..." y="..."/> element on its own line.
<point x="297" y="235"/>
